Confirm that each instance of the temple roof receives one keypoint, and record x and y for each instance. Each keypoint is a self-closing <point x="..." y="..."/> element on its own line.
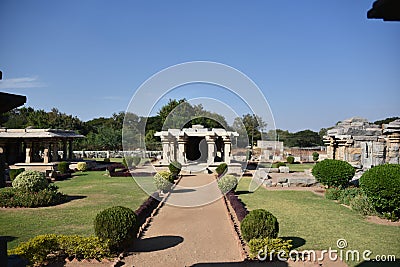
<point x="10" y="101"/>
<point x="196" y="130"/>
<point x="38" y="133"/>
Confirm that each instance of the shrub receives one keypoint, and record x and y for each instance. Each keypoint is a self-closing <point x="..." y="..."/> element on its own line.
<point x="315" y="156"/>
<point x="333" y="193"/>
<point x="259" y="223"/>
<point x="333" y="173"/>
<point x="221" y="169"/>
<point x="361" y="204"/>
<point x="32" y="181"/>
<point x="82" y="166"/>
<point x="227" y="183"/>
<point x="290" y="159"/>
<point x="269" y="248"/>
<point x="278" y="164"/>
<point x="175" y="167"/>
<point x="381" y="184"/>
<point x="130" y="162"/>
<point x="136" y="161"/>
<point x="37" y="250"/>
<point x="106" y="160"/>
<point x="117" y="225"/>
<point x="237" y="206"/>
<point x="163" y="180"/>
<point x="348" y="194"/>
<point x="11" y="197"/>
<point x="63" y="167"/>
<point x="14" y="173"/>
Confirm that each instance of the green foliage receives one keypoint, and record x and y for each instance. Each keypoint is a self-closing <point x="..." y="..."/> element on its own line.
<point x="386" y="121"/>
<point x="63" y="167"/>
<point x="131" y="162"/>
<point x="315" y="156"/>
<point x="32" y="181"/>
<point x="333" y="193"/>
<point x="14" y="173"/>
<point x="163" y="180"/>
<point x="221" y="168"/>
<point x="136" y="161"/>
<point x="348" y="194"/>
<point x="278" y="164"/>
<point x="290" y="159"/>
<point x="116" y="225"/>
<point x="259" y="223"/>
<point x="11" y="197"/>
<point x="381" y="184"/>
<point x="38" y="249"/>
<point x="82" y="166"/>
<point x="227" y="183"/>
<point x="269" y="248"/>
<point x="107" y="160"/>
<point x="333" y="173"/>
<point x="362" y="205"/>
<point x="175" y="167"/>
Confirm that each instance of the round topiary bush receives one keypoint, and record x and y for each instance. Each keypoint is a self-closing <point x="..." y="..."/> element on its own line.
<point x="82" y="166"/>
<point x="175" y="167"/>
<point x="32" y="181"/>
<point x="259" y="223"/>
<point x="163" y="180"/>
<point x="290" y="159"/>
<point x="227" y="183"/>
<point x="63" y="167"/>
<point x="117" y="225"/>
<point x="333" y="173"/>
<point x="135" y="161"/>
<point x="381" y="184"/>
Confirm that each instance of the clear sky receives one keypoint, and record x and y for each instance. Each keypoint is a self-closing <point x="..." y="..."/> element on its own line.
<point x="317" y="62"/>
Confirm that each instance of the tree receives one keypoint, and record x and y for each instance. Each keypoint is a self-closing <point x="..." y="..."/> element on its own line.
<point x="386" y="121"/>
<point x="253" y="126"/>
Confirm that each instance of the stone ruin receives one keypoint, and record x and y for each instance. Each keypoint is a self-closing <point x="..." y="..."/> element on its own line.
<point x="364" y="144"/>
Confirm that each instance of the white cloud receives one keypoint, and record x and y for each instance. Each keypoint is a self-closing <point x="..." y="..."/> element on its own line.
<point x="22" y="82"/>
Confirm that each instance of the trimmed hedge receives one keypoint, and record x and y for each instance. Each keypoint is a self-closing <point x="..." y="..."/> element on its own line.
<point x="221" y="168"/>
<point x="237" y="205"/>
<point x="333" y="173"/>
<point x="227" y="183"/>
<point x="270" y="247"/>
<point x="117" y="226"/>
<point x="63" y="167"/>
<point x="163" y="180"/>
<point x="259" y="223"/>
<point x="12" y="197"/>
<point x="32" y="181"/>
<point x="38" y="250"/>
<point x="290" y="159"/>
<point x="381" y="184"/>
<point x="175" y="167"/>
<point x="82" y="166"/>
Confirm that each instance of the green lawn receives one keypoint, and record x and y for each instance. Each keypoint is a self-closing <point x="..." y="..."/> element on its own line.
<point x="319" y="223"/>
<point x="93" y="192"/>
<point x="300" y="167"/>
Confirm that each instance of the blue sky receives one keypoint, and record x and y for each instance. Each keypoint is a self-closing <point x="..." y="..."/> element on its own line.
<point x="317" y="62"/>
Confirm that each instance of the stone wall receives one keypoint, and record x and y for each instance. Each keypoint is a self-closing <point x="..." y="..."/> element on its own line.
<point x="364" y="144"/>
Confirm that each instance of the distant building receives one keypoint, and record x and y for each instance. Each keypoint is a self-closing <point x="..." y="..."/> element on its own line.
<point x="270" y="150"/>
<point x="364" y="144"/>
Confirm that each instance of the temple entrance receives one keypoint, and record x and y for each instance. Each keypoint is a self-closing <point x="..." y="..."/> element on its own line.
<point x="196" y="149"/>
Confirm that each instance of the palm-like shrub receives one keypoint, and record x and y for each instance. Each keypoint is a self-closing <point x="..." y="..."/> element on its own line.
<point x="221" y="169"/>
<point x="163" y="180"/>
<point x="227" y="183"/>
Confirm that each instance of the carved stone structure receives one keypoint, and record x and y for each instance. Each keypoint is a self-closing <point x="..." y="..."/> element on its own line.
<point x="196" y="144"/>
<point x="364" y="144"/>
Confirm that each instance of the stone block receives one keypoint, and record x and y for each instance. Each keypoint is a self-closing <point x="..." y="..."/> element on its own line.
<point x="302" y="181"/>
<point x="274" y="170"/>
<point x="282" y="180"/>
<point x="283" y="169"/>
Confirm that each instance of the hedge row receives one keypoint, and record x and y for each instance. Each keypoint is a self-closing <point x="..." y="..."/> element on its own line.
<point x="237" y="205"/>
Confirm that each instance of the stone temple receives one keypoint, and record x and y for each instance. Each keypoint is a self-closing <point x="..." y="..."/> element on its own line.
<point x="197" y="145"/>
<point x="364" y="144"/>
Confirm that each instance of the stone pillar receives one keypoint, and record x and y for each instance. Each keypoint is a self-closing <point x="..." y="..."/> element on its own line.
<point x="227" y="150"/>
<point x="181" y="153"/>
<point x="2" y="173"/>
<point x="165" y="149"/>
<point x="211" y="149"/>
<point x="46" y="152"/>
<point x="64" y="157"/>
<point x="70" y="150"/>
<point x="28" y="151"/>
<point x="54" y="149"/>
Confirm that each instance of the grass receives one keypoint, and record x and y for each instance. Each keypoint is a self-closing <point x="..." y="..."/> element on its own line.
<point x="92" y="191"/>
<point x="300" y="167"/>
<point x="314" y="222"/>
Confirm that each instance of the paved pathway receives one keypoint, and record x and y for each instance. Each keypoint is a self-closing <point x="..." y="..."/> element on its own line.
<point x="185" y="236"/>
